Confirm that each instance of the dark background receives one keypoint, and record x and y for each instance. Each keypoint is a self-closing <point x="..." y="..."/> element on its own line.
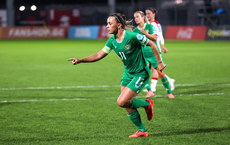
<point x="95" y="12"/>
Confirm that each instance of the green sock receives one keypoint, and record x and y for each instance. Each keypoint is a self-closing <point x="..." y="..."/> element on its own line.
<point x="148" y="81"/>
<point x="166" y="85"/>
<point x="136" y="119"/>
<point x="137" y="103"/>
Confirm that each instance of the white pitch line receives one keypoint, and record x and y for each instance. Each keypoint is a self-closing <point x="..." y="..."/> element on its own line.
<point x="80" y="99"/>
<point x="92" y="86"/>
<point x="58" y="87"/>
<point x="179" y="95"/>
<point x="36" y="100"/>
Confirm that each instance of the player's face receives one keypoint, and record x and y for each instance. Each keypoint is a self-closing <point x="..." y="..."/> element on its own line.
<point x="138" y="19"/>
<point x="149" y="15"/>
<point x="112" y="26"/>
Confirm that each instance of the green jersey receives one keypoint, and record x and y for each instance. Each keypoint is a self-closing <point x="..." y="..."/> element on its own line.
<point x="129" y="50"/>
<point x="147" y="51"/>
<point x="147" y="27"/>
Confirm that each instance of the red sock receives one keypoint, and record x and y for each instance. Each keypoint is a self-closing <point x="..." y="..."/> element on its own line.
<point x="154" y="78"/>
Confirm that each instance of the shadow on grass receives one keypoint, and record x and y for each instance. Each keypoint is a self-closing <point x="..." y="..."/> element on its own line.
<point x="54" y="139"/>
<point x="192" y="131"/>
<point x="204" y="88"/>
<point x="11" y="103"/>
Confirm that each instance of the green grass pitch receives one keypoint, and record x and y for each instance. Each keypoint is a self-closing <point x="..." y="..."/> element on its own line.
<point x="44" y="99"/>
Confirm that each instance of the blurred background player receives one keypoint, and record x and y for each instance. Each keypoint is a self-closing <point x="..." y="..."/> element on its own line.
<point x="149" y="31"/>
<point x="151" y="14"/>
<point x="128" y="46"/>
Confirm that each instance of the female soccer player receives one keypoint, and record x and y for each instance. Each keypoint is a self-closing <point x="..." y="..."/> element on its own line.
<point x="127" y="46"/>
<point x="148" y="30"/>
<point x="150" y="14"/>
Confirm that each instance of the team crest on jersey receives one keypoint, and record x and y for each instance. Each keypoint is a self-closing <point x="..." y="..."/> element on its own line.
<point x="127" y="46"/>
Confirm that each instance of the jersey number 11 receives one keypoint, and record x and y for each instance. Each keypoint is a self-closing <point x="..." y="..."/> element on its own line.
<point x="122" y="55"/>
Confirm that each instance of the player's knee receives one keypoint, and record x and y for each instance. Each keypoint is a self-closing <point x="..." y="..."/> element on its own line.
<point x="120" y="102"/>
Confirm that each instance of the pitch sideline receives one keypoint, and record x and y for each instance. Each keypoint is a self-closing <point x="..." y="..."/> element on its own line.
<point x="81" y="99"/>
<point x="91" y="86"/>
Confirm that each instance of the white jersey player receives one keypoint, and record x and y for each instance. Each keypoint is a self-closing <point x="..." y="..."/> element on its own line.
<point x="150" y="14"/>
<point x="160" y="38"/>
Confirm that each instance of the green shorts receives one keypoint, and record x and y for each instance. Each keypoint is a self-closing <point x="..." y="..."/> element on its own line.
<point x="135" y="82"/>
<point x="152" y="61"/>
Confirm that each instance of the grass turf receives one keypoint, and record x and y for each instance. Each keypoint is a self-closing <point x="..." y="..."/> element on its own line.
<point x="38" y="105"/>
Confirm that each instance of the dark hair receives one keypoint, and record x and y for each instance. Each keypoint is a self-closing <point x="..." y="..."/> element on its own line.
<point x="120" y="18"/>
<point x="152" y="10"/>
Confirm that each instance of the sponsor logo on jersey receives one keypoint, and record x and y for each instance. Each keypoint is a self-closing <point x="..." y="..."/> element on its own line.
<point x="127" y="47"/>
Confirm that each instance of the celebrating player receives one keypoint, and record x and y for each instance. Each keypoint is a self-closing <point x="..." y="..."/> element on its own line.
<point x="127" y="46"/>
<point x="150" y="14"/>
<point x="149" y="31"/>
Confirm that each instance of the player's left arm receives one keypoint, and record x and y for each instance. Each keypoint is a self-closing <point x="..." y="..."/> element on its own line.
<point x="162" y="42"/>
<point x="164" y="49"/>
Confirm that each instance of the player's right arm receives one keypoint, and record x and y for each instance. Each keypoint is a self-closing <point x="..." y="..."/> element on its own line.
<point x="93" y="58"/>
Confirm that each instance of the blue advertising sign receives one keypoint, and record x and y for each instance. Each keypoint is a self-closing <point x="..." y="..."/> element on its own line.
<point x="83" y="32"/>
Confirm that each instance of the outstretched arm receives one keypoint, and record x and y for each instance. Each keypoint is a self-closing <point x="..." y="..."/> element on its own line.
<point x="95" y="57"/>
<point x="153" y="46"/>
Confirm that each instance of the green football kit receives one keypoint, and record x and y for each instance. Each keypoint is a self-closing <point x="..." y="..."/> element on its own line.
<point x="150" y="57"/>
<point x="147" y="51"/>
<point x="136" y="72"/>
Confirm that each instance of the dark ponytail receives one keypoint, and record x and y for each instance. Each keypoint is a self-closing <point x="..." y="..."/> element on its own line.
<point x="152" y="10"/>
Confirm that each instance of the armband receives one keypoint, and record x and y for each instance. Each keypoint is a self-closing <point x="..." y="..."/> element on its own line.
<point x="106" y="49"/>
